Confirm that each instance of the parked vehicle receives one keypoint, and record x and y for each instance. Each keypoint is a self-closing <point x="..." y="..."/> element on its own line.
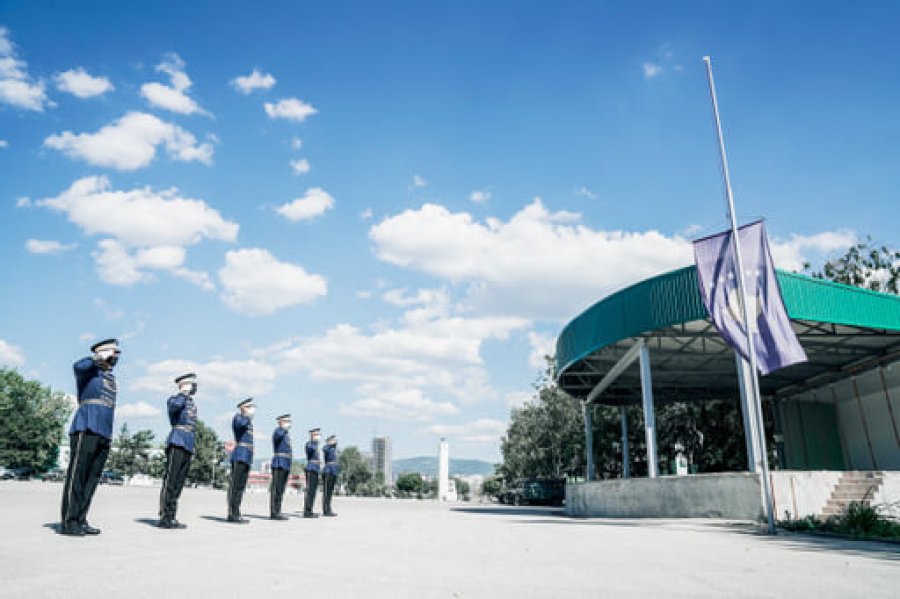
<point x="536" y="492"/>
<point x="111" y="477"/>
<point x="53" y="475"/>
<point x="20" y="473"/>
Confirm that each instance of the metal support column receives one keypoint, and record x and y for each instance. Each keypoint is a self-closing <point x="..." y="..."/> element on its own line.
<point x="649" y="418"/>
<point x="626" y="458"/>
<point x="588" y="441"/>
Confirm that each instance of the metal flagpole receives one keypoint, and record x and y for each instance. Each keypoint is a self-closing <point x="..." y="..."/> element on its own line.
<point x="766" y="481"/>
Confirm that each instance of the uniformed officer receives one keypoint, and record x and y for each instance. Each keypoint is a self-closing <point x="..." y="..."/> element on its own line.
<point x="329" y="474"/>
<point x="179" y="449"/>
<point x="282" y="457"/>
<point x="241" y="458"/>
<point x="313" y="465"/>
<point x="89" y="435"/>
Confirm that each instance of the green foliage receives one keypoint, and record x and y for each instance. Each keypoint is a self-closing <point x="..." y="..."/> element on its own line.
<point x="492" y="486"/>
<point x="208" y="466"/>
<point x="864" y="265"/>
<point x="860" y="521"/>
<point x="545" y="436"/>
<point x="32" y="418"/>
<point x="354" y="470"/>
<point x="463" y="489"/>
<point x="410" y="482"/>
<point x="130" y="454"/>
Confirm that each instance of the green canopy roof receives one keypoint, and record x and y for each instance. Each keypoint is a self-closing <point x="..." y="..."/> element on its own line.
<point x="840" y="327"/>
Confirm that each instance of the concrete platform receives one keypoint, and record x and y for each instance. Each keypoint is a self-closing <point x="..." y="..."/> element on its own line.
<point x="392" y="548"/>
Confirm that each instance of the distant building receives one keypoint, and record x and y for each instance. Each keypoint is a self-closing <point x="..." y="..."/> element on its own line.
<point x="382" y="458"/>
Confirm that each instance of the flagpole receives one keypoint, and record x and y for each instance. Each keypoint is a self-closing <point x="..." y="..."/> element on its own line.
<point x="766" y="481"/>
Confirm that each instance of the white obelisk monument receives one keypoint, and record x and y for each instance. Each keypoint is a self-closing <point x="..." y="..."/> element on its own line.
<point x="443" y="470"/>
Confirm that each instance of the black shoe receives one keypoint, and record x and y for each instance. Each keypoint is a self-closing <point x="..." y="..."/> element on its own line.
<point x="238" y="520"/>
<point x="330" y="515"/>
<point x="89" y="530"/>
<point x="310" y="515"/>
<point x="178" y="525"/>
<point x="71" y="530"/>
<point x="166" y="523"/>
<point x="278" y="517"/>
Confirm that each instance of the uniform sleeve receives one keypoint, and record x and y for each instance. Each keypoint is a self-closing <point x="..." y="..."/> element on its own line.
<point x="276" y="438"/>
<point x="84" y="368"/>
<point x="239" y="426"/>
<point x="176" y="405"/>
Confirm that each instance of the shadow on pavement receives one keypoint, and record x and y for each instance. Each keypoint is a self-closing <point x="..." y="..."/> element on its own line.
<point x="154" y="522"/>
<point x="54" y="526"/>
<point x="512" y="511"/>
<point x="216" y="519"/>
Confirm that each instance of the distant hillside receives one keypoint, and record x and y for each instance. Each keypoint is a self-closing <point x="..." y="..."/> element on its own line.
<point x="429" y="465"/>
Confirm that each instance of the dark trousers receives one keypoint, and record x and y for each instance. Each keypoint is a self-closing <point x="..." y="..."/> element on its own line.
<point x="88" y="453"/>
<point x="239" y="472"/>
<point x="312" y="483"/>
<point x="328" y="481"/>
<point x="276" y="490"/>
<point x="178" y="462"/>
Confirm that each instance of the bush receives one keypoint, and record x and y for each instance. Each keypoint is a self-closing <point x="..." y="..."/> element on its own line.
<point x="860" y="521"/>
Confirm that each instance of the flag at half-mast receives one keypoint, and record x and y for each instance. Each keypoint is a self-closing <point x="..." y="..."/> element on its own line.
<point x="774" y="341"/>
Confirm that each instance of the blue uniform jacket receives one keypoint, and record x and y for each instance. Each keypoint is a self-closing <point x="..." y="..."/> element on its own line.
<point x="183" y="418"/>
<point x="331" y="465"/>
<point x="96" y="399"/>
<point x="243" y="438"/>
<point x="281" y="448"/>
<point x="313" y="462"/>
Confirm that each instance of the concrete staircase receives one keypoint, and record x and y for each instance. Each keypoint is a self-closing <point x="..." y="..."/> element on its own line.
<point x="852" y="486"/>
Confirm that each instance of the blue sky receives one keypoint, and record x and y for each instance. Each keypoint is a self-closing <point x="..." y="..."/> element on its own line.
<point x="379" y="217"/>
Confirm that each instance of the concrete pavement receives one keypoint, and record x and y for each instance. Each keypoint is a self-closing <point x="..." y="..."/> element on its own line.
<point x="408" y="548"/>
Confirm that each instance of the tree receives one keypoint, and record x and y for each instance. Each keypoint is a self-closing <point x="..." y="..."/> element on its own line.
<point x="131" y="453"/>
<point x="354" y="470"/>
<point x="492" y="486"/>
<point x="462" y="488"/>
<point x="864" y="265"/>
<point x="32" y="418"/>
<point x="545" y="437"/>
<point x="409" y="482"/>
<point x="209" y="455"/>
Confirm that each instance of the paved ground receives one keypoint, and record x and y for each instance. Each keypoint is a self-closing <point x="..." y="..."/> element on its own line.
<point x="392" y="548"/>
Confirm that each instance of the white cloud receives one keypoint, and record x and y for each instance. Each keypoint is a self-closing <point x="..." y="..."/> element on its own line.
<point x="139" y="411"/>
<point x="296" y="143"/>
<point x="315" y="202"/>
<point x="791" y="254"/>
<point x="39" y="246"/>
<point x="429" y="350"/>
<point x="585" y="192"/>
<point x="399" y="403"/>
<point x="651" y="70"/>
<point x="10" y="355"/>
<point x="419" y="181"/>
<point x="23" y="202"/>
<point x="17" y="88"/>
<point x="435" y="298"/>
<point x="538" y="264"/>
<point x="367" y="214"/>
<point x="483" y="430"/>
<point x="149" y="229"/>
<point x="517" y="399"/>
<point x="81" y="84"/>
<point x="217" y="378"/>
<point x="172" y="97"/>
<point x="291" y="109"/>
<point x="480" y="196"/>
<point x="255" y="80"/>
<point x="300" y="166"/>
<point x="4" y="143"/>
<point x="256" y="283"/>
<point x="131" y="142"/>
<point x="364" y="294"/>
<point x="541" y="346"/>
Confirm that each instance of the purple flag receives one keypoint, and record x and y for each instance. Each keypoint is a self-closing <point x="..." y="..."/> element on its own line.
<point x="775" y="343"/>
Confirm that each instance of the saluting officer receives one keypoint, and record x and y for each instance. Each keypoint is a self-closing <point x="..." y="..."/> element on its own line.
<point x="329" y="474"/>
<point x="241" y="458"/>
<point x="179" y="449"/>
<point x="89" y="435"/>
<point x="281" y="465"/>
<point x="313" y="464"/>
